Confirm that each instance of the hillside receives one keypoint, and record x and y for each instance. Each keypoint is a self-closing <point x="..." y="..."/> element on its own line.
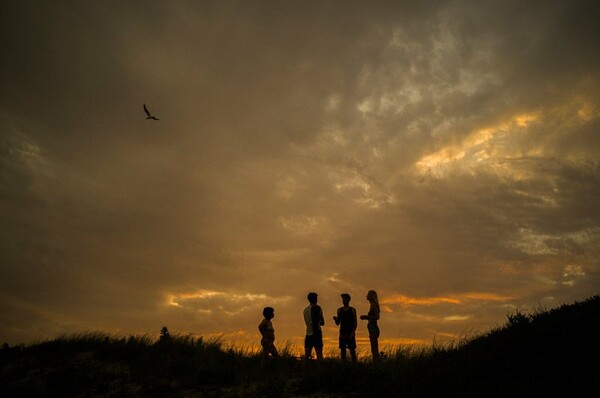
<point x="546" y="353"/>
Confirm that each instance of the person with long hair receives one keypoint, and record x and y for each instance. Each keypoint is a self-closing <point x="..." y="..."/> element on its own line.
<point x="372" y="317"/>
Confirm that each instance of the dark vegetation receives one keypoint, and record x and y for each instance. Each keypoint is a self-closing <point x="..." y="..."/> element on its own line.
<point x="551" y="353"/>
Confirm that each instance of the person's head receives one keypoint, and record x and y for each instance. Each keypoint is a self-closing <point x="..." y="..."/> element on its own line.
<point x="345" y="298"/>
<point x="312" y="297"/>
<point x="269" y="312"/>
<point x="372" y="296"/>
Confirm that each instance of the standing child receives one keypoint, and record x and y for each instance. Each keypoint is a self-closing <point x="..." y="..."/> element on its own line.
<point x="268" y="333"/>
<point x="346" y="320"/>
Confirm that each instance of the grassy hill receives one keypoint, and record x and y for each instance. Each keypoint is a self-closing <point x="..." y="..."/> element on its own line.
<point x="551" y="353"/>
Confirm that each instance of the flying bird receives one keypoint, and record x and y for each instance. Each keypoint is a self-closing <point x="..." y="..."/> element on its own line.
<point x="148" y="114"/>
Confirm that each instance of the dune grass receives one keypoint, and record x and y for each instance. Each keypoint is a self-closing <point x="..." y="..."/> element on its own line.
<point x="539" y="354"/>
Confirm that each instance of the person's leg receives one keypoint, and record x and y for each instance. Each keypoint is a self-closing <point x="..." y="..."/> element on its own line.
<point x="273" y="351"/>
<point x="343" y="353"/>
<point x="374" y="347"/>
<point x="307" y="347"/>
<point x="265" y="351"/>
<point x="352" y="347"/>
<point x="318" y="343"/>
<point x="319" y="351"/>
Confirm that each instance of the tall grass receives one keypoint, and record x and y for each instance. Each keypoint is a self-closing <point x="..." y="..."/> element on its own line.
<point x="542" y="353"/>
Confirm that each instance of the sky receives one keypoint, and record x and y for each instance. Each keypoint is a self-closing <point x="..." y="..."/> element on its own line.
<point x="443" y="153"/>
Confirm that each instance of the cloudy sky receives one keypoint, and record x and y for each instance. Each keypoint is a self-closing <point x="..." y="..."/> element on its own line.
<point x="443" y="153"/>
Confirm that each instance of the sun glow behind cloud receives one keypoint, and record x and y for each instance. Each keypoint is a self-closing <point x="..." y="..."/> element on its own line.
<point x="483" y="145"/>
<point x="179" y="300"/>
<point x="459" y="299"/>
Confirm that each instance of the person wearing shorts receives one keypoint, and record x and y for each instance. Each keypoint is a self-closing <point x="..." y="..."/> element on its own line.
<point x="313" y="318"/>
<point x="346" y="320"/>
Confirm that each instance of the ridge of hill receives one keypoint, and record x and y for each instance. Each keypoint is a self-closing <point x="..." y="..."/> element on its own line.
<point x="548" y="353"/>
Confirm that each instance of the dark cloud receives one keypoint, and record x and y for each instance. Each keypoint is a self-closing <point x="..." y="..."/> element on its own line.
<point x="443" y="153"/>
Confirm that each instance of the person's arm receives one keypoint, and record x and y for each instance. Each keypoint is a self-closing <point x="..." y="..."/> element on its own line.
<point x="370" y="317"/>
<point x="354" y="320"/>
<point x="336" y="318"/>
<point x="374" y="312"/>
<point x="270" y="331"/>
<point x="316" y="316"/>
<point x="373" y="317"/>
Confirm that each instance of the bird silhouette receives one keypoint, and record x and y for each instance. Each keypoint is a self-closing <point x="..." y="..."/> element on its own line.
<point x="148" y="114"/>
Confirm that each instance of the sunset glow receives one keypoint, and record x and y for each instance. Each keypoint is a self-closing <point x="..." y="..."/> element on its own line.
<point x="444" y="154"/>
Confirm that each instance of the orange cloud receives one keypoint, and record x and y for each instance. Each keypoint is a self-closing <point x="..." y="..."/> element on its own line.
<point x="479" y="145"/>
<point x="459" y="299"/>
<point x="402" y="341"/>
<point x="480" y="296"/>
<point x="407" y="301"/>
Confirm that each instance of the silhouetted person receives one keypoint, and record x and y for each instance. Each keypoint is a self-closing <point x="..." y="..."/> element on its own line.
<point x="346" y="320"/>
<point x="268" y="333"/>
<point x="164" y="334"/>
<point x="313" y="318"/>
<point x="372" y="317"/>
